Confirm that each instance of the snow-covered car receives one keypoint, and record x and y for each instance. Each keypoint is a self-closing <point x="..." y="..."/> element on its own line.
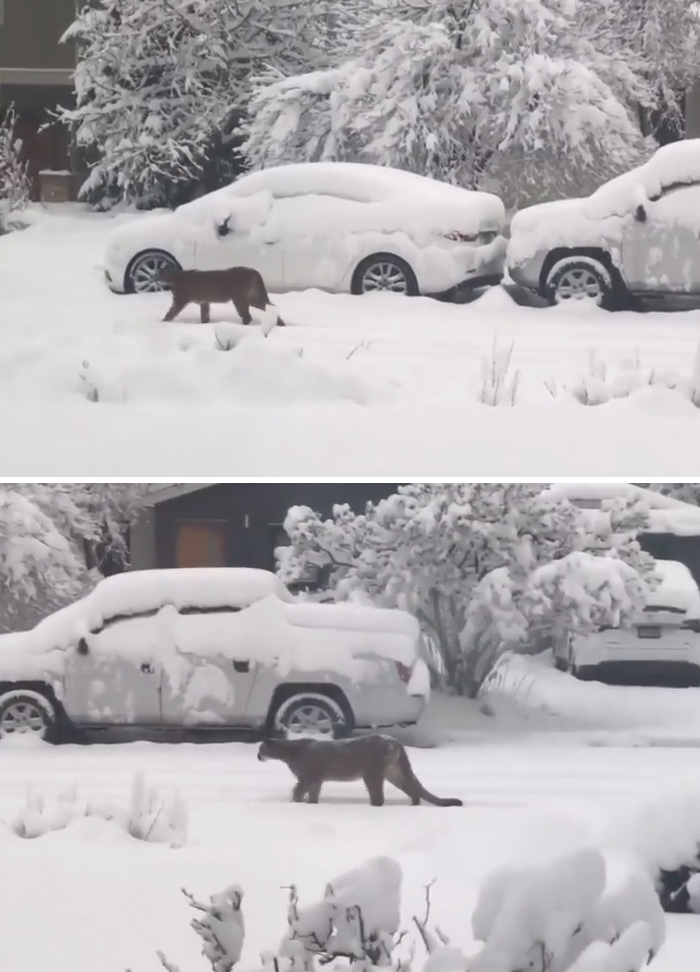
<point x="662" y="645"/>
<point x="205" y="648"/>
<point x="336" y="226"/>
<point x="637" y="236"/>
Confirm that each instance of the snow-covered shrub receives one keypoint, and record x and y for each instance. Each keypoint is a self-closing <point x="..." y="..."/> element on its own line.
<point x="598" y="384"/>
<point x="564" y="916"/>
<point x="153" y="815"/>
<point x="462" y="558"/>
<point x="530" y="96"/>
<point x="14" y="180"/>
<point x="499" y="385"/>
<point x="162" y="86"/>
<point x="664" y="835"/>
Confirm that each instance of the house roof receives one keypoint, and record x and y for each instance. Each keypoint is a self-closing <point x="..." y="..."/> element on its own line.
<point x="162" y="492"/>
<point x="666" y="514"/>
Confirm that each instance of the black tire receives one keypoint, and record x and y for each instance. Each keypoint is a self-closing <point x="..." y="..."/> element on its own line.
<point x="310" y="712"/>
<point x="28" y="712"/>
<point x="384" y="266"/>
<point x="578" y="278"/>
<point x="159" y="260"/>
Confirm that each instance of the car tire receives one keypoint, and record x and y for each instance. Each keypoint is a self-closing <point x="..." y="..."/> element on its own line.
<point x="576" y="278"/>
<point x="23" y="713"/>
<point x="311" y="712"/>
<point x="142" y="274"/>
<point x="377" y="272"/>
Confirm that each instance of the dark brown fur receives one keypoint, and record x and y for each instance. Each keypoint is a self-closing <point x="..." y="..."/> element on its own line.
<point x="372" y="759"/>
<point x="243" y="286"/>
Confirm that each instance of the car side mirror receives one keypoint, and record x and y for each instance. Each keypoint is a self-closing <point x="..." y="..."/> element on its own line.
<point x="83" y="647"/>
<point x="640" y="214"/>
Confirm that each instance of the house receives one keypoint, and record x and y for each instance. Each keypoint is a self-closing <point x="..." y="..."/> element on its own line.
<point x="36" y="76"/>
<point x="240" y="524"/>
<point x="232" y="524"/>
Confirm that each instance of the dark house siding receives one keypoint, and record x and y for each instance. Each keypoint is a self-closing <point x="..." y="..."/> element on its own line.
<point x="253" y="514"/>
<point x="669" y="546"/>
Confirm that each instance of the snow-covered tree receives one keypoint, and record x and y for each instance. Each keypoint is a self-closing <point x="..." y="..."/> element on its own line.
<point x="463" y="558"/>
<point x="14" y="180"/>
<point x="52" y="536"/>
<point x="484" y="93"/>
<point x="162" y="84"/>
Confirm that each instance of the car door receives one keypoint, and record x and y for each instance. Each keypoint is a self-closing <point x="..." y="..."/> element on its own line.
<point x="231" y="232"/>
<point x="113" y="677"/>
<point x="315" y="234"/>
<point x="661" y="254"/>
<point x="212" y="683"/>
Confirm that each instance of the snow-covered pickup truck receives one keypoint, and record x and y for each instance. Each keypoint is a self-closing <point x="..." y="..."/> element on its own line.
<point x="207" y="648"/>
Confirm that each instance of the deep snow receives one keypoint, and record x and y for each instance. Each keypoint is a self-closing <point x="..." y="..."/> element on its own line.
<point x="103" y="900"/>
<point x="93" y="384"/>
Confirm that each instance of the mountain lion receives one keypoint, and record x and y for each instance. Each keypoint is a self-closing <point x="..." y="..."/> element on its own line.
<point x="372" y="759"/>
<point x="243" y="286"/>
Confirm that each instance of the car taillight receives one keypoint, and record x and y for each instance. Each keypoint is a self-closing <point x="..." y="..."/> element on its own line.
<point x="692" y="625"/>
<point x="483" y="238"/>
<point x="456" y="237"/>
<point x="404" y="672"/>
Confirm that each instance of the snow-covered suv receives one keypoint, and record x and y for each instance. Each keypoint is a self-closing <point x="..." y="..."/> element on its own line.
<point x="637" y="236"/>
<point x="211" y="648"/>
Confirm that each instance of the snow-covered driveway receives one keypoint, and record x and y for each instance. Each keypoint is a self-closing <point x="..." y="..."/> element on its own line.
<point x="93" y="384"/>
<point x="86" y="899"/>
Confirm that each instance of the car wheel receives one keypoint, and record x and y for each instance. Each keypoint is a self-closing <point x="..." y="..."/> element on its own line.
<point x="579" y="278"/>
<point x="313" y="713"/>
<point x="143" y="273"/>
<point x="23" y="714"/>
<point x="382" y="271"/>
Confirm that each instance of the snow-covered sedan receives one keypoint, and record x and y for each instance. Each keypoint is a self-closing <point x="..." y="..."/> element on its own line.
<point x="336" y="226"/>
<point x="211" y="648"/>
<point x="637" y="236"/>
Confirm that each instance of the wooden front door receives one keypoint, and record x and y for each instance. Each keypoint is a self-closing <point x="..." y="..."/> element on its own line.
<point x="200" y="543"/>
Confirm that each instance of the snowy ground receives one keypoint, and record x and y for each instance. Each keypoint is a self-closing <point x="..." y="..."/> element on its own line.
<point x="105" y="901"/>
<point x="95" y="385"/>
<point x="92" y="898"/>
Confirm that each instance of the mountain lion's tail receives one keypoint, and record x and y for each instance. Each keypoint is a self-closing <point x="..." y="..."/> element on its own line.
<point x="417" y="791"/>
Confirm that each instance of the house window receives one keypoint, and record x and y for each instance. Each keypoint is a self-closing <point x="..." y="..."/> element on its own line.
<point x="200" y="543"/>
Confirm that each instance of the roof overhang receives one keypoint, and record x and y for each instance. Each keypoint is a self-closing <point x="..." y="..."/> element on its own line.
<point x="161" y="494"/>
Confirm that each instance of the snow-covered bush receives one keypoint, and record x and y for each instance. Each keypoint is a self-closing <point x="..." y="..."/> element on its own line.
<point x="14" y="180"/>
<point x="527" y="96"/>
<point x="664" y="835"/>
<point x="563" y="916"/>
<point x="152" y="815"/>
<point x="463" y="558"/>
<point x="600" y="384"/>
<point x="162" y="86"/>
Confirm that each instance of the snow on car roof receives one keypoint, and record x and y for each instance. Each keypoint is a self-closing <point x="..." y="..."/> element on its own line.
<point x="352" y="180"/>
<point x="666" y="514"/>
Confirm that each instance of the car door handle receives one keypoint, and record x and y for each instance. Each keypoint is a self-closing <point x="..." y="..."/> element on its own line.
<point x="147" y="668"/>
<point x="241" y="666"/>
